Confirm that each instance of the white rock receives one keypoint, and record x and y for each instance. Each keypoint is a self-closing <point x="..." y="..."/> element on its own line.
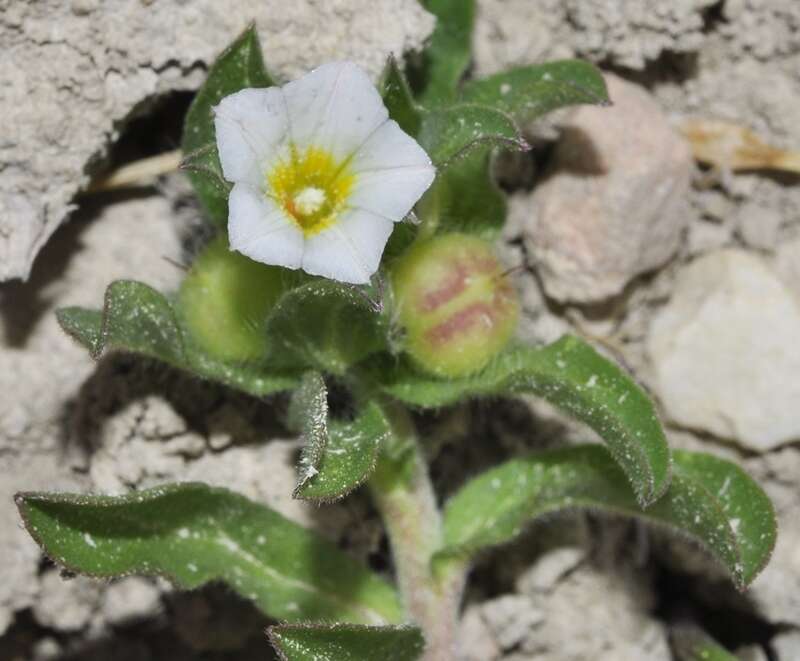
<point x="72" y="75"/>
<point x="787" y="264"/>
<point x="615" y="205"/>
<point x="42" y="369"/>
<point x="758" y="226"/>
<point x="129" y="455"/>
<point x="787" y="646"/>
<point x="704" y="237"/>
<point x="510" y="619"/>
<point x="20" y="587"/>
<point x="764" y="98"/>
<point x="129" y="599"/>
<point x="629" y="33"/>
<point x="764" y="29"/>
<point x="713" y="204"/>
<point x="476" y="642"/>
<point x="67" y="605"/>
<point x="550" y="568"/>
<point x="777" y="590"/>
<point x="517" y="32"/>
<point x="597" y="614"/>
<point x="726" y="354"/>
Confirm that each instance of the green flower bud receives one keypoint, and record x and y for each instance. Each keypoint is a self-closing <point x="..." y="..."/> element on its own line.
<point x="456" y="304"/>
<point x="224" y="302"/>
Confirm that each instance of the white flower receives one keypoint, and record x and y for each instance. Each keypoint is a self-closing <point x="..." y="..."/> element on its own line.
<point x="320" y="173"/>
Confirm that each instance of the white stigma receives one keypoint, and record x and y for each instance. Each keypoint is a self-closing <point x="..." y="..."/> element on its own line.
<point x="309" y="200"/>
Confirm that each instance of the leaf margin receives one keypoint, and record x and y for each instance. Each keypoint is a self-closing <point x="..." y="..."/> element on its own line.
<point x="23" y="499"/>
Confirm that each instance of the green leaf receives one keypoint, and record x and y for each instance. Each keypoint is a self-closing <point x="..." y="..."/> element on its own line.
<point x="571" y="375"/>
<point x="693" y="644"/>
<point x="83" y="326"/>
<point x="465" y="198"/>
<point x="192" y="534"/>
<point x="529" y="92"/>
<point x="451" y="134"/>
<point x="308" y="413"/>
<point x="398" y="99"/>
<point x="349" y="456"/>
<point x="204" y="170"/>
<point x="402" y="237"/>
<point x="449" y="50"/>
<point x="338" y="455"/>
<point x="709" y="499"/>
<point x="346" y="642"/>
<point x="461" y="141"/>
<point x="738" y="501"/>
<point x="139" y="319"/>
<point x="252" y="378"/>
<point x="325" y="326"/>
<point x="241" y="65"/>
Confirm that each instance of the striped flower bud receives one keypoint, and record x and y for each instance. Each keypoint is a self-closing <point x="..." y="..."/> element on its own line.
<point x="456" y="304"/>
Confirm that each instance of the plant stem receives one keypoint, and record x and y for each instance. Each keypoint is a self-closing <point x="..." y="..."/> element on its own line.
<point x="404" y="495"/>
<point x="138" y="173"/>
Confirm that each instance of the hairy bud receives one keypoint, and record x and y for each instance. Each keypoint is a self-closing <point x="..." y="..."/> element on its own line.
<point x="457" y="306"/>
<point x="224" y="302"/>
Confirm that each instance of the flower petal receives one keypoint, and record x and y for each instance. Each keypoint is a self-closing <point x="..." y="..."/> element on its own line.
<point x="334" y="107"/>
<point x="350" y="250"/>
<point x="251" y="125"/>
<point x="260" y="229"/>
<point x="392" y="172"/>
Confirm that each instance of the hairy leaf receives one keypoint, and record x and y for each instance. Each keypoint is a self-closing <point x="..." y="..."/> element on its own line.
<point x="466" y="197"/>
<point x="461" y="140"/>
<point x="529" y="92"/>
<point x="308" y="414"/>
<point x="323" y="325"/>
<point x="398" y="98"/>
<point x="349" y="456"/>
<point x="346" y="642"/>
<point x="252" y="378"/>
<point x="449" y="50"/>
<point x="571" y="375"/>
<point x="204" y="170"/>
<point x="740" y="502"/>
<point x="84" y="326"/>
<point x="239" y="66"/>
<point x="451" y="134"/>
<point x="709" y="499"/>
<point x="191" y="534"/>
<point x="139" y="319"/>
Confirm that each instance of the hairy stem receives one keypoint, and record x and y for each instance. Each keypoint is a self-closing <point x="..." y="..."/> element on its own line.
<point x="404" y="495"/>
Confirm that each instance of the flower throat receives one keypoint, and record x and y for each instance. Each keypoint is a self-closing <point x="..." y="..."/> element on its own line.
<point x="312" y="187"/>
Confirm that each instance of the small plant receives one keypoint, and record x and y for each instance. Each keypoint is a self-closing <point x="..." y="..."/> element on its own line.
<point x="306" y="184"/>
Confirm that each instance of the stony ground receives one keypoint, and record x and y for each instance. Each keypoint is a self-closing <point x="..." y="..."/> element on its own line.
<point x="690" y="278"/>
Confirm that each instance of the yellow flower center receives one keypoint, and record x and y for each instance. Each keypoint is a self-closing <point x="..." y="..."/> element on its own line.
<point x="312" y="187"/>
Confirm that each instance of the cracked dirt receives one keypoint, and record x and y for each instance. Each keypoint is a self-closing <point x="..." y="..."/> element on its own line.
<point x="77" y="76"/>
